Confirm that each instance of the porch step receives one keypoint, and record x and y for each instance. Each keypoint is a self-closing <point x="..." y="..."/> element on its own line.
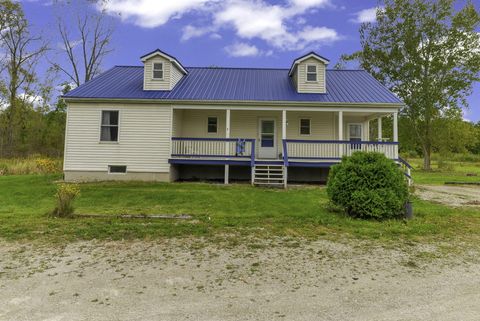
<point x="269" y="175"/>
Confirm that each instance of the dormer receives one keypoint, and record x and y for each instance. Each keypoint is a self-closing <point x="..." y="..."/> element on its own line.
<point x="309" y="73"/>
<point x="161" y="71"/>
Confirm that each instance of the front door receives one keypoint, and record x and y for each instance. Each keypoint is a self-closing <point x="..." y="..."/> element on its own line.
<point x="268" y="142"/>
<point x="355" y="135"/>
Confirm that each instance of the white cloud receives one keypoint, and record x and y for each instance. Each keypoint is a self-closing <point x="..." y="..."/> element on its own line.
<point x="215" y="36"/>
<point x="189" y="32"/>
<point x="366" y="15"/>
<point x="276" y="24"/>
<point x="300" y="6"/>
<point x="3" y="105"/>
<point x="256" y="20"/>
<point x="241" y="49"/>
<point x="153" y="13"/>
<point x="318" y="34"/>
<point x="34" y="100"/>
<point x="74" y="43"/>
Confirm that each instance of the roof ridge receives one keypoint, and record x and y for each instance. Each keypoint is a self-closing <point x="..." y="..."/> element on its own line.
<point x="255" y="68"/>
<point x="333" y="69"/>
<point x="244" y="68"/>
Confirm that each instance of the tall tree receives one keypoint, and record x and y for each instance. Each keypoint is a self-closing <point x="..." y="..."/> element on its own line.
<point x="22" y="54"/>
<point x="428" y="54"/>
<point x="87" y="43"/>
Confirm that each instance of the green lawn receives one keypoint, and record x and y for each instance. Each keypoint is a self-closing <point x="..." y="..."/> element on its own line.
<point x="217" y="210"/>
<point x="452" y="171"/>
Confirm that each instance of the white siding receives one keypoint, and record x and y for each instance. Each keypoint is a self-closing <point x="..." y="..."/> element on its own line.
<point x="177" y="123"/>
<point x="304" y="86"/>
<point x="155" y="84"/>
<point x="171" y="75"/>
<point x="321" y="125"/>
<point x="245" y="124"/>
<point x="143" y="145"/>
<point x="194" y="123"/>
<point x="176" y="76"/>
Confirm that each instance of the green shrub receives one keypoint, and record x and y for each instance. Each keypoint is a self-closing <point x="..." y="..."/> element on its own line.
<point x="368" y="185"/>
<point x="66" y="194"/>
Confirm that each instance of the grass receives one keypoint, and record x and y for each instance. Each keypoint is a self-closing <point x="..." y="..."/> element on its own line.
<point x="453" y="170"/>
<point x="35" y="164"/>
<point x="217" y="210"/>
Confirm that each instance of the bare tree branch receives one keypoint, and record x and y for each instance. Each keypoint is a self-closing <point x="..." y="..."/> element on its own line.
<point x="86" y="46"/>
<point x="23" y="52"/>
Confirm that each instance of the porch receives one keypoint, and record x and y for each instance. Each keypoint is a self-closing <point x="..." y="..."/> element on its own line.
<point x="269" y="142"/>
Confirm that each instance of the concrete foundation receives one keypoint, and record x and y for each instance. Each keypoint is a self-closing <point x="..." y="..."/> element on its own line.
<point x="88" y="176"/>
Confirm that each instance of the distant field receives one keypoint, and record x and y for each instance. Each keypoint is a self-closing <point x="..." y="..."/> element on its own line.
<point x="446" y="171"/>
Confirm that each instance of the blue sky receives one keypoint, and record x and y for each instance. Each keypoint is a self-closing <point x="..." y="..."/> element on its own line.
<point x="235" y="33"/>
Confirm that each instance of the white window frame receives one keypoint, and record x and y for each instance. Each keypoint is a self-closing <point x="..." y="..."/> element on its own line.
<point x="315" y="73"/>
<point x="361" y="130"/>
<point x="117" y="173"/>
<point x="309" y="126"/>
<point x="153" y="70"/>
<point x="212" y="133"/>
<point x="101" y="125"/>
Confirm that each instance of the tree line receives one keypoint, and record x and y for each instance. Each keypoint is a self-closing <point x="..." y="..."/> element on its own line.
<point x="428" y="53"/>
<point x="31" y="120"/>
<point x="425" y="51"/>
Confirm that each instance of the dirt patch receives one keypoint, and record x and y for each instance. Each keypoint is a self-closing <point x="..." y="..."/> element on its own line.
<point x="455" y="196"/>
<point x="281" y="279"/>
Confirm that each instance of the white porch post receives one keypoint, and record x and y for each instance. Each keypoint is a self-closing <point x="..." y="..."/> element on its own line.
<point x="380" y="129"/>
<point x="395" y="127"/>
<point x="340" y="133"/>
<point x="284" y="136"/>
<point x="395" y="133"/>
<point x="366" y="129"/>
<point x="227" y="145"/>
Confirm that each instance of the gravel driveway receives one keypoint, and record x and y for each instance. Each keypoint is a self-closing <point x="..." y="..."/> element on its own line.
<point x="451" y="195"/>
<point x="258" y="280"/>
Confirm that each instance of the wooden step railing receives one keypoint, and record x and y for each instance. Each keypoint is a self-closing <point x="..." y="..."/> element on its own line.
<point x="407" y="170"/>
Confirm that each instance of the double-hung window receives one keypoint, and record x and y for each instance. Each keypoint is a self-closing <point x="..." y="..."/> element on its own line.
<point x="312" y="73"/>
<point x="212" y="125"/>
<point x="109" y="127"/>
<point x="157" y="70"/>
<point x="304" y="126"/>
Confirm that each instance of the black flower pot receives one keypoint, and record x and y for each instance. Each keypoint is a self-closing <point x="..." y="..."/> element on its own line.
<point x="408" y="210"/>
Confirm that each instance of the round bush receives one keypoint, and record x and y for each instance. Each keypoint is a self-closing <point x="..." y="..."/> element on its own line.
<point x="368" y="185"/>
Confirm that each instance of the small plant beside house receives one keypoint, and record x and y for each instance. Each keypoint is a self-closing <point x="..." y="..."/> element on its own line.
<point x="369" y="186"/>
<point x="65" y="196"/>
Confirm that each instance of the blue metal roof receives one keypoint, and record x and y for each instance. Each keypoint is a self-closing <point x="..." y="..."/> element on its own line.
<point x="242" y="84"/>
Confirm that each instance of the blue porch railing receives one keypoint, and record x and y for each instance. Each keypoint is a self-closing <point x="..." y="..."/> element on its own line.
<point x="214" y="148"/>
<point x="294" y="150"/>
<point x="324" y="150"/>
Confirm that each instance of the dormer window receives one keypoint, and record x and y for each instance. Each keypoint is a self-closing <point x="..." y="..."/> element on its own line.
<point x="312" y="73"/>
<point x="161" y="71"/>
<point x="158" y="70"/>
